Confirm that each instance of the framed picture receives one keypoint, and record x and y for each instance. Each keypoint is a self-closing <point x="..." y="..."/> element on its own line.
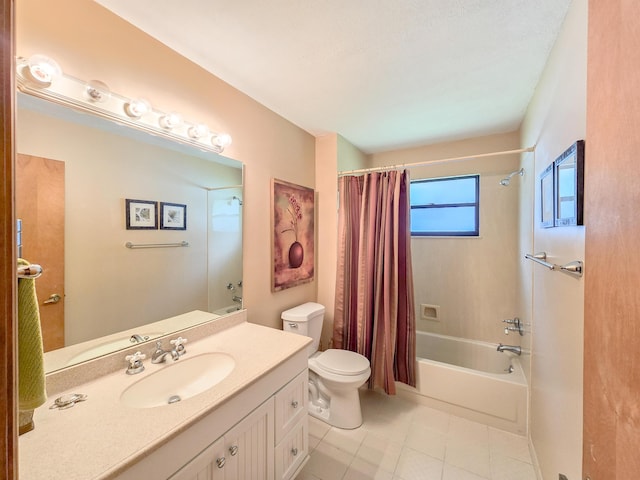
<point x="547" y="204"/>
<point x="569" y="186"/>
<point x="141" y="214"/>
<point x="173" y="216"/>
<point x="292" y="234"/>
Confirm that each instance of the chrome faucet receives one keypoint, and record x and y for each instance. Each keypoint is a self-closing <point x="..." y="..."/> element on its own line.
<point x="510" y="348"/>
<point x="159" y="355"/>
<point x="517" y="326"/>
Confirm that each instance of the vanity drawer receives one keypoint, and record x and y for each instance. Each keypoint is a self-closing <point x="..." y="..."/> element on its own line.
<point x="293" y="450"/>
<point x="291" y="404"/>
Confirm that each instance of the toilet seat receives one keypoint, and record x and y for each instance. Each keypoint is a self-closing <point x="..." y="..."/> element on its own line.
<point x="342" y="362"/>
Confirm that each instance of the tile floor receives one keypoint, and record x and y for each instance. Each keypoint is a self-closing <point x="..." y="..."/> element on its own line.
<point x="400" y="440"/>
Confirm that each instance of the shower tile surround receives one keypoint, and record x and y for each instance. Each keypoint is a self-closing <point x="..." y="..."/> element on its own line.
<point x="403" y="440"/>
<point x="63" y="440"/>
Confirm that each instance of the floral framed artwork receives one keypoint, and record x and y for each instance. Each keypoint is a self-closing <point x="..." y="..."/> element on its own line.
<point x="292" y="233"/>
<point x="141" y="214"/>
<point x="173" y="216"/>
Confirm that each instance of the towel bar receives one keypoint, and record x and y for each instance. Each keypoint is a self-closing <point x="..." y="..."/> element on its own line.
<point x="156" y="245"/>
<point x="573" y="268"/>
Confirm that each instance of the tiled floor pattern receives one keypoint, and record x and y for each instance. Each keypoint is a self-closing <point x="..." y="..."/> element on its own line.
<point x="400" y="440"/>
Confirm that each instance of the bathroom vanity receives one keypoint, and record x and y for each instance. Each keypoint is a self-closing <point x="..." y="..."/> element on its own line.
<point x="251" y="424"/>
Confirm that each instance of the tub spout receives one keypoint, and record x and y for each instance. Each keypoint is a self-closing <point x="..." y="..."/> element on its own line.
<point x="510" y="348"/>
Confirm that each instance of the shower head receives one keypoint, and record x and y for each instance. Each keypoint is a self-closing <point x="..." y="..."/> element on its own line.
<point x="505" y="181"/>
<point x="237" y="198"/>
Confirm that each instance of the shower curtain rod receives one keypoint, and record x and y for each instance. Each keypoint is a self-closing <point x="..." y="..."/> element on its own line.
<point x="431" y="162"/>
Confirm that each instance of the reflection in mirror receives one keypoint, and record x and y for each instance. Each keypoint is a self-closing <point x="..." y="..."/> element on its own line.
<point x="547" y="207"/>
<point x="569" y="179"/>
<point x="110" y="296"/>
<point x="566" y="175"/>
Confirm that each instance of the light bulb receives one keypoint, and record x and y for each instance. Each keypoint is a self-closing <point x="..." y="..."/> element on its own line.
<point x="137" y="108"/>
<point x="43" y="69"/>
<point x="221" y="140"/>
<point x="170" y="120"/>
<point x="198" y="131"/>
<point x="97" y="91"/>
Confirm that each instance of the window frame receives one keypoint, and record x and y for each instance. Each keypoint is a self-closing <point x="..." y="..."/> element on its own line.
<point x="476" y="205"/>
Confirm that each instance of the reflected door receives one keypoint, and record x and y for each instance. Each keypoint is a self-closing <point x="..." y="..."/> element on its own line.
<point x="40" y="206"/>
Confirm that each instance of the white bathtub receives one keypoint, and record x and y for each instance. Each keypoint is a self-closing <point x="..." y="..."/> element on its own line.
<point x="470" y="379"/>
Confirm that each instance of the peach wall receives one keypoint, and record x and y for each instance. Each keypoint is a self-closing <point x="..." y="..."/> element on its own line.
<point x="333" y="153"/>
<point x="555" y="119"/>
<point x="89" y="42"/>
<point x="438" y="151"/>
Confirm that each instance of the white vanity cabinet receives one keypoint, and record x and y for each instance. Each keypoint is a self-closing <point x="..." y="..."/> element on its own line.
<point x="255" y="418"/>
<point x="261" y="434"/>
<point x="271" y="442"/>
<point x="244" y="453"/>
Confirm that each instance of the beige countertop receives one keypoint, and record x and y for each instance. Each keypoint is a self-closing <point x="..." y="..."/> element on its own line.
<point x="100" y="437"/>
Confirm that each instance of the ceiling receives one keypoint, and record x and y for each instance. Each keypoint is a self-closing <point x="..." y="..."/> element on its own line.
<point x="384" y="74"/>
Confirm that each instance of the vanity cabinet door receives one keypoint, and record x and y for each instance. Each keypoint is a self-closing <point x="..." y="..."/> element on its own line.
<point x="249" y="446"/>
<point x="291" y="404"/>
<point x="292" y="451"/>
<point x="244" y="453"/>
<point x="208" y="465"/>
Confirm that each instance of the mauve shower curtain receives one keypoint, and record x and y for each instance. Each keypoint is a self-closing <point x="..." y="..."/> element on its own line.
<point x="374" y="311"/>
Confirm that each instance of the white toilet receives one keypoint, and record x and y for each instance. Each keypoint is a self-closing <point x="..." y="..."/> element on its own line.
<point x="334" y="375"/>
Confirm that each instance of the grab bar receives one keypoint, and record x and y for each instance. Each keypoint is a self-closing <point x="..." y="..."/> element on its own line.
<point x="29" y="271"/>
<point x="156" y="245"/>
<point x="573" y="268"/>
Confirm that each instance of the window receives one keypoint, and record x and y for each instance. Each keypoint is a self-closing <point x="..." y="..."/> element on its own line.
<point x="445" y="206"/>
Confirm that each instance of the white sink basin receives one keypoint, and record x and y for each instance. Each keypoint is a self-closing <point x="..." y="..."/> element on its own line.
<point x="179" y="380"/>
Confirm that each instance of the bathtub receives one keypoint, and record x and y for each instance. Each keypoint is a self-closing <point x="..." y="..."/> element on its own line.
<point x="470" y="379"/>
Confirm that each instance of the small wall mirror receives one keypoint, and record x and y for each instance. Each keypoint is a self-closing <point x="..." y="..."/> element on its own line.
<point x="569" y="186"/>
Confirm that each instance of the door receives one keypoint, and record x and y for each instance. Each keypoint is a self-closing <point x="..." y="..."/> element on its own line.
<point x="208" y="465"/>
<point x="250" y="446"/>
<point x="244" y="453"/>
<point x="40" y="207"/>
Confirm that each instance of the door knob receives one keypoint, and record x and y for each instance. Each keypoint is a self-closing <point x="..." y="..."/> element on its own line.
<point x="53" y="298"/>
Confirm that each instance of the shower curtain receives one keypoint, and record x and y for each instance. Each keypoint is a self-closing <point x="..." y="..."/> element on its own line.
<point x="374" y="310"/>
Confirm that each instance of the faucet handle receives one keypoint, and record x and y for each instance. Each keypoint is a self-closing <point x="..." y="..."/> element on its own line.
<point x="135" y="363"/>
<point x="178" y="345"/>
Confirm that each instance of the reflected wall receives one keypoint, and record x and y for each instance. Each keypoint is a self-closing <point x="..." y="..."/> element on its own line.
<point x="108" y="286"/>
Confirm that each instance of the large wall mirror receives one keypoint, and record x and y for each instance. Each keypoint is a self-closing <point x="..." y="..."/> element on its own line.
<point x="75" y="172"/>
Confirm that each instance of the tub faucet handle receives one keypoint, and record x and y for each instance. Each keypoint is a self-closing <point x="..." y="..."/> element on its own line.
<point x="517" y="326"/>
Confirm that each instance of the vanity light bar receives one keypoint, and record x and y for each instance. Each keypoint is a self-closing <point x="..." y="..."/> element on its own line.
<point x="37" y="77"/>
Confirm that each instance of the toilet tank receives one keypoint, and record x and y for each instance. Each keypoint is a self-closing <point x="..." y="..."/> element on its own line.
<point x="305" y="319"/>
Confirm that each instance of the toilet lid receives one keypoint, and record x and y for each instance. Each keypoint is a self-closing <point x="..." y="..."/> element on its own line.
<point x="342" y="362"/>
